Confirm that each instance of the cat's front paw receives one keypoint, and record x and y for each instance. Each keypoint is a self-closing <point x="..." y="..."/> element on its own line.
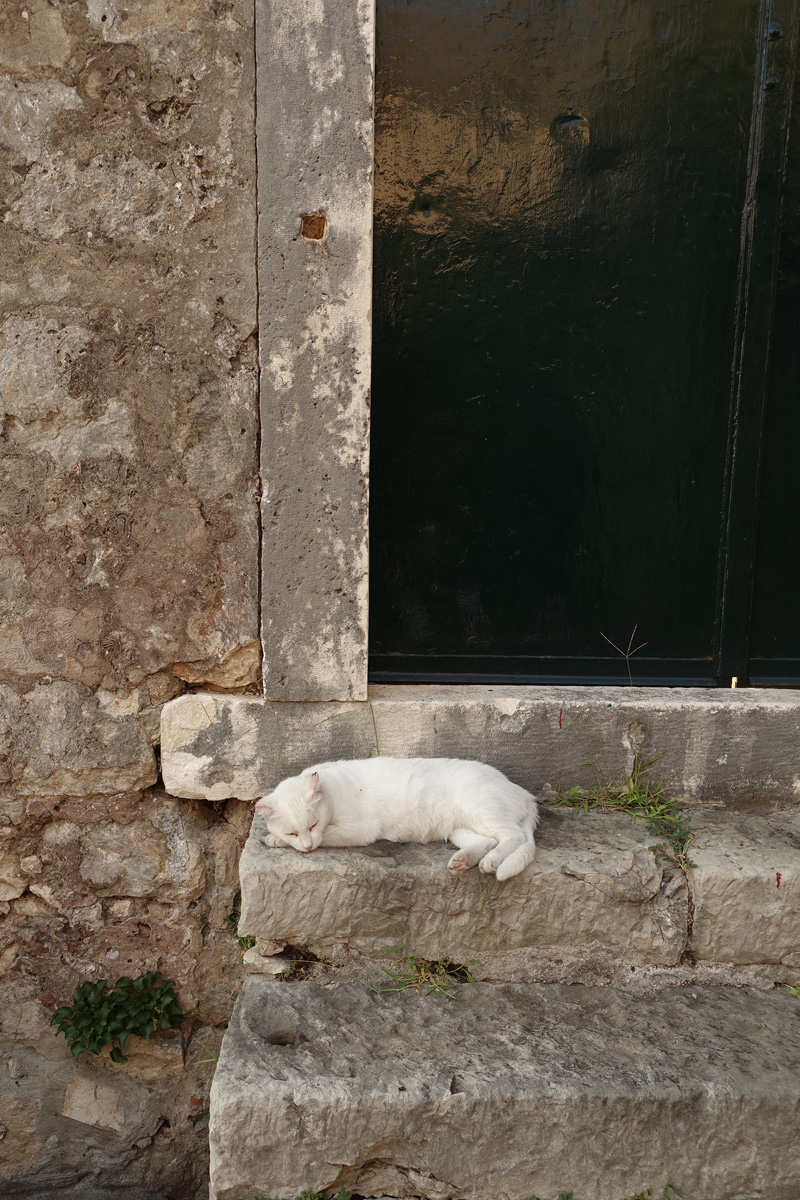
<point x="487" y="865"/>
<point x="271" y="839"/>
<point x="459" y="863"/>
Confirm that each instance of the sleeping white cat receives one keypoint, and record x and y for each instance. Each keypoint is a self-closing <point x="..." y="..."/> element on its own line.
<point x="490" y="819"/>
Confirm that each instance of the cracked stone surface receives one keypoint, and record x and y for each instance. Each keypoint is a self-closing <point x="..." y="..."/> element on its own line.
<point x="535" y="1089"/>
<point x="595" y="887"/>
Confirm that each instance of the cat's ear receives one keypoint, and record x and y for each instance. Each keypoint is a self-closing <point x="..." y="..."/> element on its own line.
<point x="313" y="785"/>
<point x="265" y="806"/>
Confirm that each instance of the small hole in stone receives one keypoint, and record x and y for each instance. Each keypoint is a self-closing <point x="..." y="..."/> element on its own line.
<point x="284" y="1038"/>
<point x="313" y="226"/>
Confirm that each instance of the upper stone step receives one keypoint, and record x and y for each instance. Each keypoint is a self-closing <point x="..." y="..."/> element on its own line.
<point x="512" y="1091"/>
<point x="715" y="743"/>
<point x="597" y="891"/>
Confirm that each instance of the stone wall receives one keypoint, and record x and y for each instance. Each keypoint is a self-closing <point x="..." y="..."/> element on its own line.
<point x="129" y="555"/>
<point x="96" y="887"/>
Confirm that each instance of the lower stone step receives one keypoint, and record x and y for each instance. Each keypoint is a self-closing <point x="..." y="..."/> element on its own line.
<point x="510" y="1092"/>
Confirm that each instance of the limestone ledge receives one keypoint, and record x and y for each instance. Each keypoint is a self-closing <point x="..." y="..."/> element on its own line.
<point x="715" y="744"/>
<point x="595" y="884"/>
<point x="391" y="1095"/>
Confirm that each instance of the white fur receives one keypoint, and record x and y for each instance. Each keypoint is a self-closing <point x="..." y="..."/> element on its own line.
<point x="355" y="803"/>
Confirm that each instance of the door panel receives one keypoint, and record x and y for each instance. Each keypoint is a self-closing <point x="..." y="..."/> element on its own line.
<point x="558" y="223"/>
<point x="775" y="636"/>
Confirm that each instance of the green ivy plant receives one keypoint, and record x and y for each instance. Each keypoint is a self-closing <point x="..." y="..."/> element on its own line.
<point x="98" y="1018"/>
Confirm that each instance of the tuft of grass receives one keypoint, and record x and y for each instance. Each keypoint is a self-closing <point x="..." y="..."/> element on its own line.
<point x="308" y="1194"/>
<point x="421" y="975"/>
<point x="646" y="801"/>
<point x="305" y="963"/>
<point x="213" y="1057"/>
<point x="645" y="798"/>
<point x="232" y="926"/>
<point x="795" y="991"/>
<point x="409" y="971"/>
<point x="644" y="1195"/>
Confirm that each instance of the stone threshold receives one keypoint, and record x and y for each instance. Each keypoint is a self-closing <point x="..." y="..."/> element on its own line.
<point x="597" y="902"/>
<point x="716" y="744"/>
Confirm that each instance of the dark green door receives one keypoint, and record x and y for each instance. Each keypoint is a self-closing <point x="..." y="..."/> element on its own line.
<point x="576" y="219"/>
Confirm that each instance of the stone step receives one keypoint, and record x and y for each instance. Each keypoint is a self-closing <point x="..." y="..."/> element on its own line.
<point x="596" y="895"/>
<point x="512" y="1091"/>
<point x="716" y="743"/>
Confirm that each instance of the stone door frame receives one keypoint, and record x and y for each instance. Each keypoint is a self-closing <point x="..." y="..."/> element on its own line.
<point x="315" y="83"/>
<point x="314" y="124"/>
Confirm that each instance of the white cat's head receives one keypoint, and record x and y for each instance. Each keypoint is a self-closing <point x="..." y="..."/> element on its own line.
<point x="297" y="811"/>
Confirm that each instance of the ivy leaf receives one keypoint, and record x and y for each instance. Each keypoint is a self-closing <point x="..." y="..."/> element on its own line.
<point x="98" y="1018"/>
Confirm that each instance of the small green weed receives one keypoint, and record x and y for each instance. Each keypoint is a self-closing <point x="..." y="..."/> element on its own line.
<point x="440" y="978"/>
<point x="645" y="1195"/>
<point x="645" y="801"/>
<point x="795" y="991"/>
<point x="213" y="1057"/>
<point x="409" y="971"/>
<point x="641" y="796"/>
<point x="97" y="1018"/>
<point x="232" y="926"/>
<point x="307" y="1194"/>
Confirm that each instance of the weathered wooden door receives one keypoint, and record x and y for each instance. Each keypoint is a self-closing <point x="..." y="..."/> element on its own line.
<point x="577" y="218"/>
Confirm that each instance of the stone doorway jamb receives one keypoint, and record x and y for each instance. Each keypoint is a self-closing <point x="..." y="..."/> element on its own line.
<point x="314" y="125"/>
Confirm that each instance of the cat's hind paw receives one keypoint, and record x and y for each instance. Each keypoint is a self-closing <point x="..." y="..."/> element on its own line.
<point x="487" y="865"/>
<point x="459" y="863"/>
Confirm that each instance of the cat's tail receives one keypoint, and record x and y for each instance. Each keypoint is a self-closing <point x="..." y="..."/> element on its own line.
<point x="524" y="855"/>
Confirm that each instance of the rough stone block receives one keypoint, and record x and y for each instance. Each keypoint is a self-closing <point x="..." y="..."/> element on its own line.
<point x="58" y="738"/>
<point x="715" y="744"/>
<point x="746" y="888"/>
<point x="512" y="1091"/>
<point x="595" y="885"/>
<point x="93" y="1103"/>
